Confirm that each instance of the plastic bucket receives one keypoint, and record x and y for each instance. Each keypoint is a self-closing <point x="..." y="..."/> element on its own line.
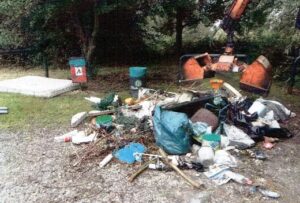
<point x="211" y="140"/>
<point x="137" y="79"/>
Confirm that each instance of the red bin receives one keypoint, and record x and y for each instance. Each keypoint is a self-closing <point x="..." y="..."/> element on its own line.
<point x="78" y="69"/>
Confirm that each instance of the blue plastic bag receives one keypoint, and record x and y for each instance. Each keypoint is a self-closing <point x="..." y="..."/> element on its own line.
<point x="172" y="131"/>
<point x="127" y="153"/>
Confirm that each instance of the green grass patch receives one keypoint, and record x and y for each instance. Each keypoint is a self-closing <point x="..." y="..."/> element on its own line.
<point x="26" y="112"/>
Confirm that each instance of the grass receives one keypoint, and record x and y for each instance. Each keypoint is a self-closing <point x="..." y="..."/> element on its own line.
<point x="26" y="112"/>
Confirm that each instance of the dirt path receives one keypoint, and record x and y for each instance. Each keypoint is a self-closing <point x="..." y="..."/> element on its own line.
<point x="33" y="168"/>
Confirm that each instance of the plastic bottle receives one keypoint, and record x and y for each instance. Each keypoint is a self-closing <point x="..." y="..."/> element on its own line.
<point x="66" y="137"/>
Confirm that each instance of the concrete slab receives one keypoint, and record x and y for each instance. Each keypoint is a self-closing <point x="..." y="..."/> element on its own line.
<point x="37" y="86"/>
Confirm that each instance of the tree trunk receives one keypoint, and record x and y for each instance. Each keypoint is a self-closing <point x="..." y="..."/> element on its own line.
<point x="91" y="43"/>
<point x="179" y="29"/>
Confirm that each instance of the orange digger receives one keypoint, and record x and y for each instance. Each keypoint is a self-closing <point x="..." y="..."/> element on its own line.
<point x="255" y="77"/>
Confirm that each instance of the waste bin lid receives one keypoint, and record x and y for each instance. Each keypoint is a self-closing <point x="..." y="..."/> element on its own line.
<point x="77" y="61"/>
<point x="137" y="72"/>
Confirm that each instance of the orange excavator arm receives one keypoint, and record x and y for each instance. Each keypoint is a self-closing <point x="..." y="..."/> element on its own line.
<point x="232" y="16"/>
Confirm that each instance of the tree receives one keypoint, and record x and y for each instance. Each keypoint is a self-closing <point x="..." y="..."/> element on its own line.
<point x="11" y="13"/>
<point x="184" y="13"/>
<point x="176" y="15"/>
<point x="56" y="25"/>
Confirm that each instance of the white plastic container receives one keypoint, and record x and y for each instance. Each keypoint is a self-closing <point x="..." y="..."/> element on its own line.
<point x="206" y="156"/>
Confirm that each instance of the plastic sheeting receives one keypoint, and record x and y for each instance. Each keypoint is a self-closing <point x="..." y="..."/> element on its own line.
<point x="172" y="131"/>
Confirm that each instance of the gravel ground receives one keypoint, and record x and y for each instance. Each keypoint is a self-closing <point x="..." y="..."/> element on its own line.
<point x="33" y="168"/>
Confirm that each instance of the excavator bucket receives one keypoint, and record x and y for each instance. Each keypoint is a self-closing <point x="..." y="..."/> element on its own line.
<point x="194" y="67"/>
<point x="256" y="77"/>
<point x="192" y="70"/>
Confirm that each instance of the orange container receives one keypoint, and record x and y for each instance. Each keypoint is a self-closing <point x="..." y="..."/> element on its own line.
<point x="192" y="70"/>
<point x="257" y="74"/>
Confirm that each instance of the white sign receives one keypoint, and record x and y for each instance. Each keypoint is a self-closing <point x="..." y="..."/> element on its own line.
<point x="78" y="71"/>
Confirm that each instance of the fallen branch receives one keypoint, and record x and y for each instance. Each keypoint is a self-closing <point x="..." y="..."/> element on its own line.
<point x="188" y="179"/>
<point x="141" y="170"/>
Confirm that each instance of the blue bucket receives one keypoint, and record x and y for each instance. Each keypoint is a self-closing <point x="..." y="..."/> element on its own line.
<point x="137" y="72"/>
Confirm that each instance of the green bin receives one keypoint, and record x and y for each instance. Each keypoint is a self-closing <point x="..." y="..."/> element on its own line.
<point x="137" y="79"/>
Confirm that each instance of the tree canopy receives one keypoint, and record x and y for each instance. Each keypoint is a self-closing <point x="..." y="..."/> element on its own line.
<point x="128" y="30"/>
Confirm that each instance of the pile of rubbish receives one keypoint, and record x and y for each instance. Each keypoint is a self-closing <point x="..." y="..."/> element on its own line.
<point x="193" y="130"/>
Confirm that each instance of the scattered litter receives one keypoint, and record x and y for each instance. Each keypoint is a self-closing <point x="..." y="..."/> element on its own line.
<point x="104" y="121"/>
<point x="212" y="140"/>
<point x="200" y="131"/>
<point x="146" y="109"/>
<point x="159" y="165"/>
<point x="184" y="97"/>
<point x="106" y="160"/>
<point x="94" y="100"/>
<point x="3" y="110"/>
<point x="268" y="145"/>
<point x="200" y="128"/>
<point x="130" y="101"/>
<point x="257" y="154"/>
<point x="224" y="158"/>
<point x="232" y="92"/>
<point x="206" y="156"/>
<point x="268" y="193"/>
<point x="81" y="138"/>
<point x="66" y="137"/>
<point x="237" y="137"/>
<point x="78" y="118"/>
<point x="99" y="113"/>
<point x="265" y="192"/>
<point x="259" y="108"/>
<point x="238" y="178"/>
<point x="280" y="111"/>
<point x="107" y="101"/>
<point x="217" y="174"/>
<point x="126" y="154"/>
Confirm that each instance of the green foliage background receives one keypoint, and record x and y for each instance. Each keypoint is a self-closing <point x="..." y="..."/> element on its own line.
<point x="144" y="31"/>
